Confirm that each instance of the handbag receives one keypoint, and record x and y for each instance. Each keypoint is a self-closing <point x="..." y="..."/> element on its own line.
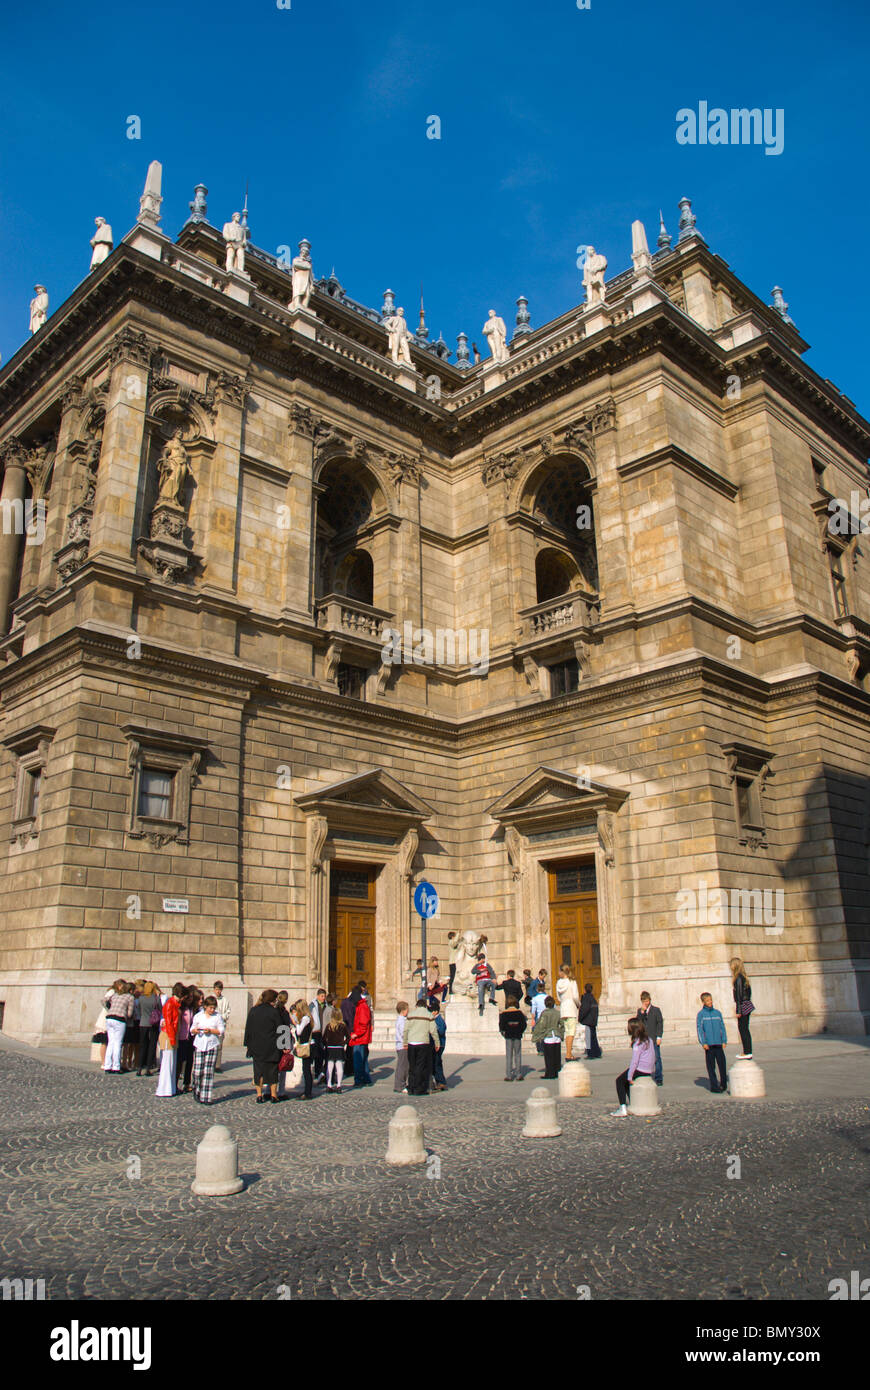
<point x="303" y="1049"/>
<point x="746" y="1008"/>
<point x="286" y="1060"/>
<point x="163" y="1041"/>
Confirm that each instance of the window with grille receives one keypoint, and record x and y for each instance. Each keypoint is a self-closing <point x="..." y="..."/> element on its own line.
<point x="344" y="883"/>
<point x="578" y="879"/>
<point x="352" y="682"/>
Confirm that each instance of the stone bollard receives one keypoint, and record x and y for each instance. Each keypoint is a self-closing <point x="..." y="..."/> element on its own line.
<point x="746" y="1081"/>
<point x="217" y="1164"/>
<point x="574" y="1080"/>
<point x="541" y="1122"/>
<point x="644" y="1097"/>
<point x="406" y="1137"/>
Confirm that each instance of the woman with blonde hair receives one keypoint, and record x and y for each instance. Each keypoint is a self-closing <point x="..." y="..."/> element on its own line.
<point x="150" y="1010"/>
<point x="568" y="999"/>
<point x="743" y="1005"/>
<point x="302" y="1024"/>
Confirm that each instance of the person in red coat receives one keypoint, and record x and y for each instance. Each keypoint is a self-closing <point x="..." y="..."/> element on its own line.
<point x="360" y="1038"/>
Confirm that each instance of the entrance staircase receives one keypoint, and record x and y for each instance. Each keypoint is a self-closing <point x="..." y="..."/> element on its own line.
<point x="468" y="1033"/>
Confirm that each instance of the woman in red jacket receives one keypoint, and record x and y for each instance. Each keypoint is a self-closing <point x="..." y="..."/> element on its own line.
<point x="168" y="1041"/>
<point x="360" y="1038"/>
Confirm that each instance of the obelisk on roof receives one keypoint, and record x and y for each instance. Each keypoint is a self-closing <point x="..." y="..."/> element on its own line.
<point x="149" y="203"/>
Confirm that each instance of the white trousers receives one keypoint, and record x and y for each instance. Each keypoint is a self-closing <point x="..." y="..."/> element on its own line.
<point x="166" y="1079"/>
<point x="115" y="1028"/>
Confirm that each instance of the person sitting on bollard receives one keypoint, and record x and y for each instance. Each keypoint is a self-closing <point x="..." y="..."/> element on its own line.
<point x="651" y="1017"/>
<point x="438" y="1082"/>
<point x="512" y="1024"/>
<point x="549" y="1031"/>
<point x="742" y="991"/>
<point x="207" y="1030"/>
<point x="420" y="1034"/>
<point x="588" y="1019"/>
<point x="643" y="1062"/>
<point x="712" y="1037"/>
<point x="484" y="978"/>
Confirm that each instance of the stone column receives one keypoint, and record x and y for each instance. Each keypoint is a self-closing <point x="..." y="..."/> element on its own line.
<point x="62" y="482"/>
<point x="406" y="598"/>
<point x="12" y="523"/>
<point x="119" y="481"/>
<point x="610" y="920"/>
<point x="498" y="473"/>
<point x="316" y="830"/>
<point x="405" y="876"/>
<point x="611" y="531"/>
<point x="296" y="597"/>
<point x="219" y="529"/>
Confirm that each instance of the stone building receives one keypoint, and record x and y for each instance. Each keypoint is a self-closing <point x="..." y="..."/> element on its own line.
<point x="290" y="626"/>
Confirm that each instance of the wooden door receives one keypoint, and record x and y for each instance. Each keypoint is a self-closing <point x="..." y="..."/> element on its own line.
<point x="351" y="928"/>
<point x="574" y="936"/>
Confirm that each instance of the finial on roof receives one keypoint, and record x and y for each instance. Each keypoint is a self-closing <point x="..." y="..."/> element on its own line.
<point x="440" y="348"/>
<point x="664" y="240"/>
<point x="149" y="203"/>
<point x="687" y="221"/>
<point x="780" y="305"/>
<point x="463" y="359"/>
<point x="422" y="331"/>
<point x="245" y="216"/>
<point x="524" y="319"/>
<point x="640" y="257"/>
<point x="388" y="308"/>
<point x="199" y="206"/>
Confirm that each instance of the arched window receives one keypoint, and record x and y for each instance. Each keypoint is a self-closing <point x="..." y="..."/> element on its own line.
<point x="355" y="577"/>
<point x="563" y="506"/>
<point x="349" y="500"/>
<point x="555" y="573"/>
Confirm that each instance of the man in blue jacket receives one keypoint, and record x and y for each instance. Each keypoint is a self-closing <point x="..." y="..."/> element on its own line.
<point x="712" y="1037"/>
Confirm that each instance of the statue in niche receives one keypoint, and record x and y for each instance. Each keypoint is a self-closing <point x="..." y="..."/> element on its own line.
<point x="172" y="469"/>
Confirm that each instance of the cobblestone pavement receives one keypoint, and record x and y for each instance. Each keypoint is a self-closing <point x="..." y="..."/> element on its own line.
<point x="632" y="1209"/>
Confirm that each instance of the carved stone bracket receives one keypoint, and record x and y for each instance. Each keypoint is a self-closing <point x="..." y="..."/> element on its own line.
<point x="404" y="469"/>
<point x="231" y="390"/>
<point x="302" y="420"/>
<point x="500" y="468"/>
<point x="165" y="548"/>
<point x="130" y="345"/>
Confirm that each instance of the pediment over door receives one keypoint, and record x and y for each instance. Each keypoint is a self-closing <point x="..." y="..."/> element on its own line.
<point x="372" y="800"/>
<point x="549" y="799"/>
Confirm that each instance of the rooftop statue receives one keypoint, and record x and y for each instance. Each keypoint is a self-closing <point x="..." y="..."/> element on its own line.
<point x="234" y="236"/>
<point x="496" y="335"/>
<point x="593" y="276"/>
<point x="101" y="242"/>
<point x="302" y="276"/>
<point x="399" y="338"/>
<point x="38" y="308"/>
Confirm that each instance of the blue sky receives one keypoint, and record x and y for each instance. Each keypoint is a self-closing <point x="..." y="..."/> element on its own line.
<point x="558" y="128"/>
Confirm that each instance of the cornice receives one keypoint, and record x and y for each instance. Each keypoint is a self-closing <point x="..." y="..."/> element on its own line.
<point x="130" y="275"/>
<point x="676" y="457"/>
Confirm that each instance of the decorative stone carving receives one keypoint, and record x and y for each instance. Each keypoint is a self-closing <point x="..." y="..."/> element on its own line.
<point x="231" y="389"/>
<point x="332" y="661"/>
<point x="466" y="958"/>
<point x="73" y="394"/>
<point x="317" y="830"/>
<point x="172" y="468"/>
<point x="302" y="277"/>
<point x="607" y="837"/>
<point x="513" y="841"/>
<point x="130" y="345"/>
<point x="410" y="845"/>
<point x="500" y="468"/>
<point x="404" y="470"/>
<point x="302" y="420"/>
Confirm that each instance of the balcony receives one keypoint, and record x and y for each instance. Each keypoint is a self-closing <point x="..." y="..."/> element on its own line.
<point x="559" y="616"/>
<point x="336" y="613"/>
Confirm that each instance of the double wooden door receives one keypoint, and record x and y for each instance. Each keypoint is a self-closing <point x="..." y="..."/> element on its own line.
<point x="352" y="910"/>
<point x="574" y="938"/>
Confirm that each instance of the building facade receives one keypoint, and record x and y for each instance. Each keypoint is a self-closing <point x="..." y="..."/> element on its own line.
<point x="290" y="626"/>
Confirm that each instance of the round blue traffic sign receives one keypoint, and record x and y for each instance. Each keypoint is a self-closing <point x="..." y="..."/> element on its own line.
<point x="425" y="899"/>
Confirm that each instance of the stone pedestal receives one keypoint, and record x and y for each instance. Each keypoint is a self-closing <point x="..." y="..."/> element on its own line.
<point x="303" y="322"/>
<point x="644" y="1097"/>
<point x="574" y="1080"/>
<point x="406" y="1137"/>
<point x="468" y="1032"/>
<point x="239" y="286"/>
<point x="406" y="376"/>
<point x="493" y="375"/>
<point x="217" y="1165"/>
<point x="541" y="1122"/>
<point x="746" y="1081"/>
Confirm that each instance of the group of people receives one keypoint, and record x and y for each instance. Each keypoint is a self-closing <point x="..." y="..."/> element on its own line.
<point x="186" y="1027"/>
<point x="330" y="1036"/>
<point x="327" y="1036"/>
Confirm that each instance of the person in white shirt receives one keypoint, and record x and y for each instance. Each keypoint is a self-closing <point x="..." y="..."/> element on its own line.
<point x="223" y="1008"/>
<point x="207" y="1031"/>
<point x="568" y="999"/>
<point x="401" y="1079"/>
